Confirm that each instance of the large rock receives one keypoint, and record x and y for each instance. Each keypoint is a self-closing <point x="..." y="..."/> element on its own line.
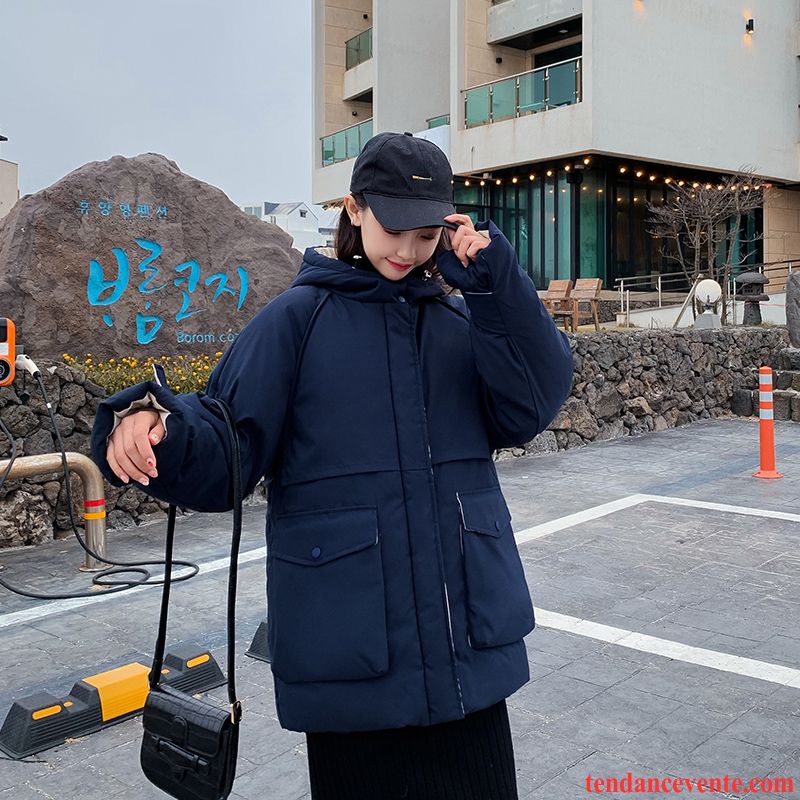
<point x="130" y="256"/>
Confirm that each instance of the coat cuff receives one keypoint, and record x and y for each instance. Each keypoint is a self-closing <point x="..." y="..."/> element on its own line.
<point x="148" y="401"/>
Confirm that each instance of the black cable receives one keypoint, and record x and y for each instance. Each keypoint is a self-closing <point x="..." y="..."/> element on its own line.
<point x="118" y="566"/>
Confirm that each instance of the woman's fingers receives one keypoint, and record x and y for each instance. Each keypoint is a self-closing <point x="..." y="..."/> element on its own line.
<point x="128" y="455"/>
<point x="114" y="464"/>
<point x="140" y="436"/>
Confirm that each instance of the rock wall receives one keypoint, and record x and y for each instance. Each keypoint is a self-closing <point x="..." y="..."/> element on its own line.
<point x="624" y="384"/>
<point x="631" y="383"/>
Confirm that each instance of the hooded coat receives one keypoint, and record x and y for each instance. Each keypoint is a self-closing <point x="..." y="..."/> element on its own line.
<point x="395" y="591"/>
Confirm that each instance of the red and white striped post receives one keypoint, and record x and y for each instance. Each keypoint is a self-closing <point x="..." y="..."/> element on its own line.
<point x="766" y="425"/>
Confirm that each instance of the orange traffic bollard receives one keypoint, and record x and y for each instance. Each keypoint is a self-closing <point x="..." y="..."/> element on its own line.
<point x="766" y="425"/>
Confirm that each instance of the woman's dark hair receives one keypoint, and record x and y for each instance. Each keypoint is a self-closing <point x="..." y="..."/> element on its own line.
<point x="350" y="248"/>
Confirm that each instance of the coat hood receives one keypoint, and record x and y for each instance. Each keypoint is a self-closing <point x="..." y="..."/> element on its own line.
<point x="320" y="267"/>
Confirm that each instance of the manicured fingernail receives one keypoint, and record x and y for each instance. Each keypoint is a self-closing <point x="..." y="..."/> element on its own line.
<point x="124" y="478"/>
<point x="145" y="481"/>
<point x="154" y="438"/>
<point x="153" y="473"/>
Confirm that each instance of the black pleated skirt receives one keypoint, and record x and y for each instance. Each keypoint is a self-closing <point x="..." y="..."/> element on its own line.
<point x="469" y="759"/>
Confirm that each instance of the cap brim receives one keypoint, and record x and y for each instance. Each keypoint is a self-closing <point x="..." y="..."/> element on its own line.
<point x="405" y="214"/>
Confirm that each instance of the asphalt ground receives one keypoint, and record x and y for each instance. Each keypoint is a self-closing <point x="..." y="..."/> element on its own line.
<point x="665" y="581"/>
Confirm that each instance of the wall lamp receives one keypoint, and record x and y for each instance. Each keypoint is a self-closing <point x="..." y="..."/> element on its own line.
<point x="749" y="26"/>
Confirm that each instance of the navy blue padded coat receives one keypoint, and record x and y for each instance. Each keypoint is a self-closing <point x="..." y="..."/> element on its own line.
<point x="395" y="591"/>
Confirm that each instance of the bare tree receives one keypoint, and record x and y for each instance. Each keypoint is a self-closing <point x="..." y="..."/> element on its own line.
<point x="703" y="222"/>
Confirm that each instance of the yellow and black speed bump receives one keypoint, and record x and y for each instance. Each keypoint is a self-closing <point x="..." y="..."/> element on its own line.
<point x="259" y="647"/>
<point x="41" y="721"/>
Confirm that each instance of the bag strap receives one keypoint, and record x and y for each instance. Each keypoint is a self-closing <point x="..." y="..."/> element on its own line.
<point x="236" y="480"/>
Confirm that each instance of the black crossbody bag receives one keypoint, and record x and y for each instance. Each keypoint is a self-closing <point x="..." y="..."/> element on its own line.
<point x="189" y="747"/>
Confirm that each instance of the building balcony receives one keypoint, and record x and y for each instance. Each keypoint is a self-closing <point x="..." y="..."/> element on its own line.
<point x="358" y="49"/>
<point x="527" y="93"/>
<point x="435" y="122"/>
<point x="346" y="143"/>
<point x="528" y="23"/>
<point x="359" y="75"/>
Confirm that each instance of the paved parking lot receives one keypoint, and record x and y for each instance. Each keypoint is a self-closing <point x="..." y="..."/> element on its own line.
<point x="665" y="580"/>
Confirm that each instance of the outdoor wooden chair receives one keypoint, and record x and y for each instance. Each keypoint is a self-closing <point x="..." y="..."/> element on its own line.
<point x="558" y="302"/>
<point x="586" y="291"/>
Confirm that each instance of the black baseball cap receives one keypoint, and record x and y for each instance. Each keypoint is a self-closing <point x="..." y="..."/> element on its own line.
<point x="406" y="181"/>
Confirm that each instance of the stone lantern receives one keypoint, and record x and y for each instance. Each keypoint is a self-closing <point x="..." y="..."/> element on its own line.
<point x="750" y="289"/>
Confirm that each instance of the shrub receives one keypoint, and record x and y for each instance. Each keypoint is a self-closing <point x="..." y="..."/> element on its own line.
<point x="184" y="373"/>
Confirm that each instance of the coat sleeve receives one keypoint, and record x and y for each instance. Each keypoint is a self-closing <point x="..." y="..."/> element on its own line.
<point x="254" y="377"/>
<point x="524" y="361"/>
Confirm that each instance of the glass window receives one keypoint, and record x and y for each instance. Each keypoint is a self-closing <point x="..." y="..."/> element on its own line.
<point x="504" y="99"/>
<point x="523" y="246"/>
<point x="563" y="226"/>
<point x="535" y="270"/>
<point x="638" y="214"/>
<point x="593" y="226"/>
<point x="477" y="111"/>
<point x="549" y="232"/>
<point x="559" y="54"/>
<point x="622" y="203"/>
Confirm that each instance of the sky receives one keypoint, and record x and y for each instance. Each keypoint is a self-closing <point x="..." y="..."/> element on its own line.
<point x="221" y="87"/>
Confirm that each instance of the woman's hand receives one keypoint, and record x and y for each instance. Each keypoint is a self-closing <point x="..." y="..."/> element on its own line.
<point x="466" y="241"/>
<point x="130" y="452"/>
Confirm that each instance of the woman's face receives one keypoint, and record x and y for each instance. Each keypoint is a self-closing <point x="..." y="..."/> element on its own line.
<point x="393" y="253"/>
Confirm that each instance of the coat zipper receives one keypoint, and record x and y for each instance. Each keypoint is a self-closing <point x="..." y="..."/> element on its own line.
<point x="430" y="471"/>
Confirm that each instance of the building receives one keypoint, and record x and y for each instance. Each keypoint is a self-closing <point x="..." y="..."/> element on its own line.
<point x="9" y="184"/>
<point x="297" y="219"/>
<point x="564" y="118"/>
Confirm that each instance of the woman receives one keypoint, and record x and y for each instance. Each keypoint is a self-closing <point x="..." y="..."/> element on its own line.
<point x="372" y="401"/>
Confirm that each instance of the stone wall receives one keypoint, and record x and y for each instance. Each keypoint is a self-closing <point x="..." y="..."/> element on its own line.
<point x="33" y="510"/>
<point x="624" y="384"/>
<point x="631" y="383"/>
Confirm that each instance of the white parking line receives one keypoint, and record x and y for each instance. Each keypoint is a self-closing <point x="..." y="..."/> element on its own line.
<point x="763" y="670"/>
<point x="738" y="665"/>
<point x="595" y="512"/>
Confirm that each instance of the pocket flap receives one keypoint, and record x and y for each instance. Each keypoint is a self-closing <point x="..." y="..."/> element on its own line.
<point x="484" y="511"/>
<point x="313" y="538"/>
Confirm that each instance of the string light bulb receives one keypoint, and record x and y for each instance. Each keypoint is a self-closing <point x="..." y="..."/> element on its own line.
<point x="667" y="180"/>
<point x="623" y="170"/>
<point x="587" y="160"/>
<point x="639" y="173"/>
<point x="466" y="183"/>
<point x="498" y="182"/>
<point x="532" y="176"/>
<point x="514" y="180"/>
<point x="483" y="183"/>
<point x="549" y="173"/>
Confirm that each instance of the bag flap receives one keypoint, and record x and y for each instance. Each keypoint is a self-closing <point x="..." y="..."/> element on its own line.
<point x="313" y="538"/>
<point x="188" y="722"/>
<point x="484" y="511"/>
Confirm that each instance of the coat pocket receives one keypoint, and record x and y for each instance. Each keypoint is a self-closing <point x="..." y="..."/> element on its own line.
<point x="325" y="596"/>
<point x="499" y="607"/>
